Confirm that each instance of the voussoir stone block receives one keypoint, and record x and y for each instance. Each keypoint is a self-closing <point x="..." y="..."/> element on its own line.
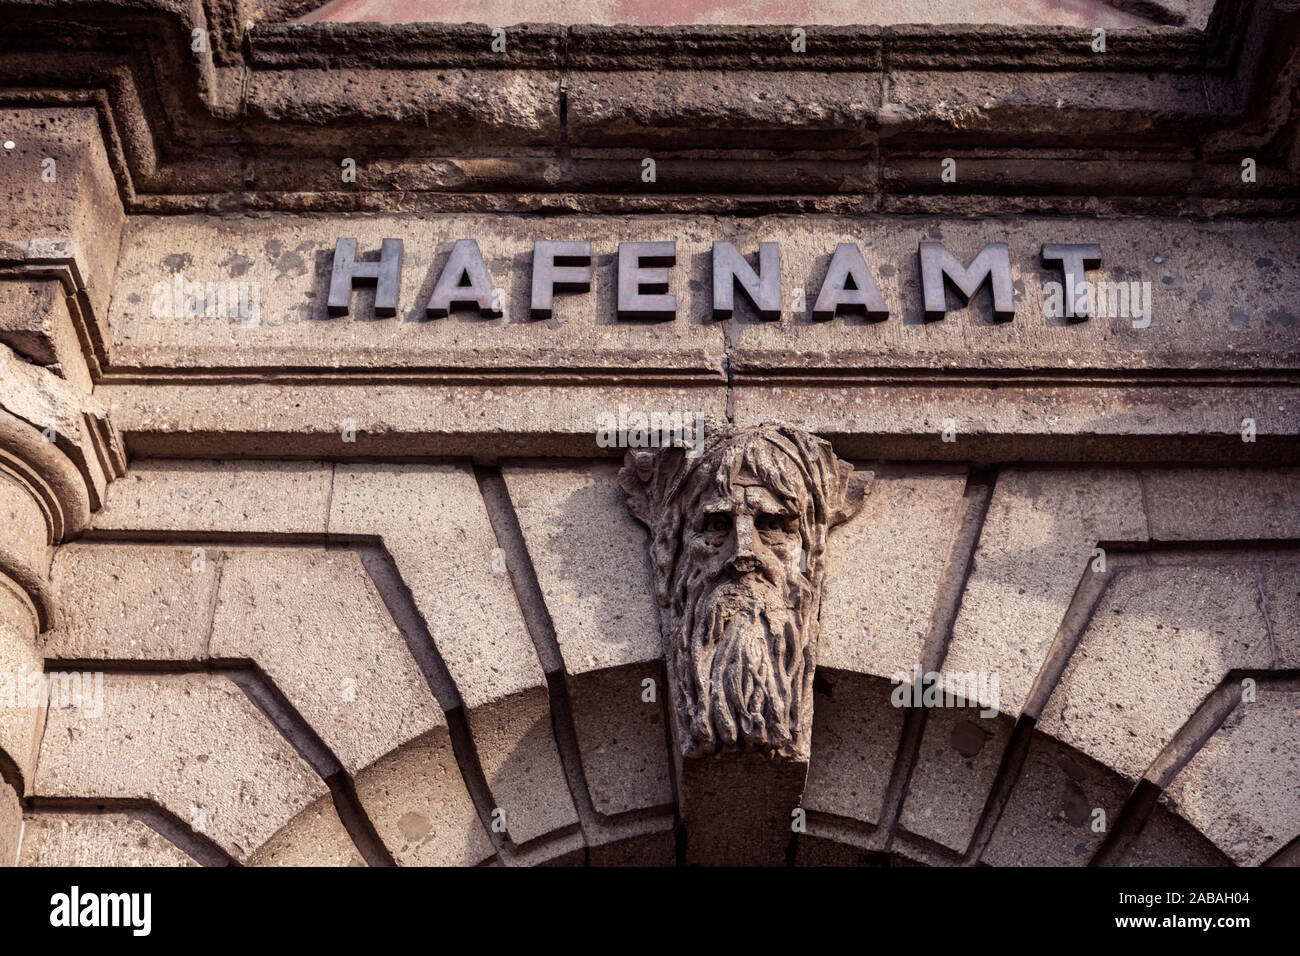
<point x="66" y="838"/>
<point x="883" y="570"/>
<point x="124" y="601"/>
<point x="1240" y="788"/>
<point x="193" y="744"/>
<point x="435" y="526"/>
<point x="856" y="731"/>
<point x="590" y="556"/>
<point x="315" y="837"/>
<point x="1168" y="840"/>
<point x="417" y="800"/>
<point x="1051" y="818"/>
<point x="1161" y="639"/>
<point x="955" y="770"/>
<point x="1036" y="543"/>
<point x="314" y="621"/>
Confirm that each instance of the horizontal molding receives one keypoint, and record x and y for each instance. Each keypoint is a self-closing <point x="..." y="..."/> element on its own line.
<point x="224" y="132"/>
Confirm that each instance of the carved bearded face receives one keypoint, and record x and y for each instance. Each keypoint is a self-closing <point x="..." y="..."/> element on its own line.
<point x="739" y="539"/>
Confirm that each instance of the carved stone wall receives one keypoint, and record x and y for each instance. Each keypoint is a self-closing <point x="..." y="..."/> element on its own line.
<point x="295" y="587"/>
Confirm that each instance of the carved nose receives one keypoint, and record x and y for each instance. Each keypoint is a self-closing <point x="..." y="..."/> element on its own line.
<point x="744" y="560"/>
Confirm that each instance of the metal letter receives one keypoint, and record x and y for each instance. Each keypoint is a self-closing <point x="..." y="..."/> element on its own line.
<point x="385" y="275"/>
<point x="558" y="267"/>
<point x="452" y="289"/>
<point x="993" y="263"/>
<point x="836" y="295"/>
<point x="643" y="280"/>
<point x="1075" y="260"/>
<point x="763" y="289"/>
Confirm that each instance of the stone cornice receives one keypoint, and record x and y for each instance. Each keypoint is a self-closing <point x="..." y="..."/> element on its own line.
<point x="561" y="121"/>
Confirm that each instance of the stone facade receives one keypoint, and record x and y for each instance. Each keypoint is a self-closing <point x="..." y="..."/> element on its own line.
<point x="281" y="586"/>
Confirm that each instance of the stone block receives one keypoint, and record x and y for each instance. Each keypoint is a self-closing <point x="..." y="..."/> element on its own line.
<point x="622" y="738"/>
<point x="249" y="497"/>
<point x="35" y="322"/>
<point x="1168" y="840"/>
<point x="592" y="562"/>
<point x="884" y="570"/>
<point x="1161" y="639"/>
<point x="1214" y="504"/>
<point x="193" y="744"/>
<point x="435" y="526"/>
<point x="417" y="801"/>
<point x="315" y="837"/>
<point x="139" y="602"/>
<point x="315" y="623"/>
<point x="1240" y="788"/>
<point x="517" y="751"/>
<point x="75" y="838"/>
<point x="82" y="203"/>
<point x="1037" y="542"/>
<point x="856" y="731"/>
<point x="1051" y="816"/>
<point x="955" y="770"/>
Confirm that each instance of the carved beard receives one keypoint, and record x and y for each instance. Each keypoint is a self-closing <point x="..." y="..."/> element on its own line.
<point x="744" y="657"/>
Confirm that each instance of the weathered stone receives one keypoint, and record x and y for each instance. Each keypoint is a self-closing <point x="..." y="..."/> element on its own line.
<point x="22" y="714"/>
<point x="648" y="849"/>
<point x="82" y="204"/>
<point x="1168" y="840"/>
<point x="418" y="803"/>
<point x="1223" y="504"/>
<point x="388" y="420"/>
<point x="11" y="825"/>
<point x="191" y="743"/>
<point x="25" y="549"/>
<point x="315" y="837"/>
<point x="1161" y="639"/>
<point x="884" y="570"/>
<point x="35" y="323"/>
<point x="1279" y="585"/>
<point x="1037" y="542"/>
<point x="955" y="771"/>
<point x="315" y="623"/>
<point x="1051" y="818"/>
<point x="622" y="738"/>
<point x="251" y="497"/>
<point x="856" y="732"/>
<point x="590" y="558"/>
<point x="66" y="838"/>
<point x="1239" y="790"/>
<point x="591" y="562"/>
<point x="141" y="602"/>
<point x="435" y="526"/>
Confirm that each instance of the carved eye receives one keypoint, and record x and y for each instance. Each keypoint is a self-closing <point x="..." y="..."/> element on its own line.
<point x="718" y="523"/>
<point x="769" y="522"/>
